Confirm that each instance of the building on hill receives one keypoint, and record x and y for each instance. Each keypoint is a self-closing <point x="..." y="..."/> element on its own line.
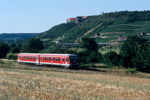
<point x="71" y="20"/>
<point x="121" y="39"/>
<point x="145" y="34"/>
<point x="97" y="34"/>
<point x="76" y="20"/>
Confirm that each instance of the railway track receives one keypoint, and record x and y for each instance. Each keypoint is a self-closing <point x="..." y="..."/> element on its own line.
<point x="84" y="70"/>
<point x="63" y="69"/>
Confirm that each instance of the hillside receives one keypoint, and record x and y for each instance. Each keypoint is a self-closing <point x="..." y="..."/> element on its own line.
<point x="9" y="37"/>
<point x="109" y="25"/>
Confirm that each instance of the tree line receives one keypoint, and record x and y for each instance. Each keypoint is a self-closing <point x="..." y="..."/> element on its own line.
<point x="134" y="53"/>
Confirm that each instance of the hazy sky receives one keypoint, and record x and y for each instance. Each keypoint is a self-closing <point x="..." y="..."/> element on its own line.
<point x="40" y="15"/>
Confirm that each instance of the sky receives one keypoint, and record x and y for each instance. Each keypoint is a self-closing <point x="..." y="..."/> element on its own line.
<point x="35" y="16"/>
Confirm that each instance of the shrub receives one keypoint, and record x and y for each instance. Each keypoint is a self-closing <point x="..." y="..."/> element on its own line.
<point x="130" y="71"/>
<point x="112" y="59"/>
<point x="1" y="62"/>
<point x="4" y="48"/>
<point x="11" y="56"/>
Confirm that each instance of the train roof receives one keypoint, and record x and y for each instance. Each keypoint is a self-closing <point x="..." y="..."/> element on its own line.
<point x="29" y="54"/>
<point x="45" y="54"/>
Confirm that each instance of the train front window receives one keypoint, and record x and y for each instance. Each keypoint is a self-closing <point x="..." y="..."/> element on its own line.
<point x="73" y="59"/>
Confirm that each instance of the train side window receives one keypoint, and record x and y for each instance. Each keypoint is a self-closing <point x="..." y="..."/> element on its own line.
<point x="54" y="58"/>
<point x="58" y="59"/>
<point x="63" y="59"/>
<point x="49" y="58"/>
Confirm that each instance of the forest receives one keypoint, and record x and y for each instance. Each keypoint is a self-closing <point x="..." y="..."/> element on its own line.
<point x="134" y="52"/>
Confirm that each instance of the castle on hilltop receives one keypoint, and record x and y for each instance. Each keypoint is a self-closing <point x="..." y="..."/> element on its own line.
<point x="77" y="19"/>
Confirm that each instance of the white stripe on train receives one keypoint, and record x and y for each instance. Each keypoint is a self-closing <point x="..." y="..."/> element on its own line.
<point x="42" y="63"/>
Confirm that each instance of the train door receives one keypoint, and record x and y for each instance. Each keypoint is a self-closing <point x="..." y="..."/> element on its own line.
<point x="37" y="60"/>
<point x="52" y="61"/>
<point x="63" y="60"/>
<point x="66" y="61"/>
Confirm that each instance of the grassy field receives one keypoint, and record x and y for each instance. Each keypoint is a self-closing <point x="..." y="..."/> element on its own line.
<point x="107" y="50"/>
<point x="19" y="82"/>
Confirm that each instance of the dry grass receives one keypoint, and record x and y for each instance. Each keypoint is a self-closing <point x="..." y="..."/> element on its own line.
<point x="21" y="84"/>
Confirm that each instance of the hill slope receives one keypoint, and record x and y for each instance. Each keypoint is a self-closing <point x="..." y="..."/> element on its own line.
<point x="108" y="25"/>
<point x="8" y="37"/>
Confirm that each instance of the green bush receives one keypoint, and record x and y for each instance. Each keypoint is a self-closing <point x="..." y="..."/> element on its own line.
<point x="11" y="56"/>
<point x="130" y="71"/>
<point x="1" y="62"/>
<point x="112" y="59"/>
<point x="4" y="48"/>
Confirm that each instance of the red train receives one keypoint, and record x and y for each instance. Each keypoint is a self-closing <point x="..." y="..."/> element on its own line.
<point x="65" y="60"/>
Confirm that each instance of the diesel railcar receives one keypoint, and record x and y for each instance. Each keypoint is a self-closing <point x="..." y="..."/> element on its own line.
<point x="65" y="60"/>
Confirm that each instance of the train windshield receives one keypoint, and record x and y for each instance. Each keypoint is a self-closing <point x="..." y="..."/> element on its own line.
<point x="74" y="59"/>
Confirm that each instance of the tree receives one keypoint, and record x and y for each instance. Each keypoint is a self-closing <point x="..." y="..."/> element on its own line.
<point x="89" y="44"/>
<point x="4" y="48"/>
<point x="53" y="48"/>
<point x="90" y="53"/>
<point x="129" y="50"/>
<point x="94" y="57"/>
<point x="33" y="46"/>
<point x="15" y="47"/>
<point x="142" y="59"/>
<point x="112" y="59"/>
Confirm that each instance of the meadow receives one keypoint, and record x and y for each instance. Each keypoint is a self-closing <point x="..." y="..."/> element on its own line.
<point x="19" y="82"/>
